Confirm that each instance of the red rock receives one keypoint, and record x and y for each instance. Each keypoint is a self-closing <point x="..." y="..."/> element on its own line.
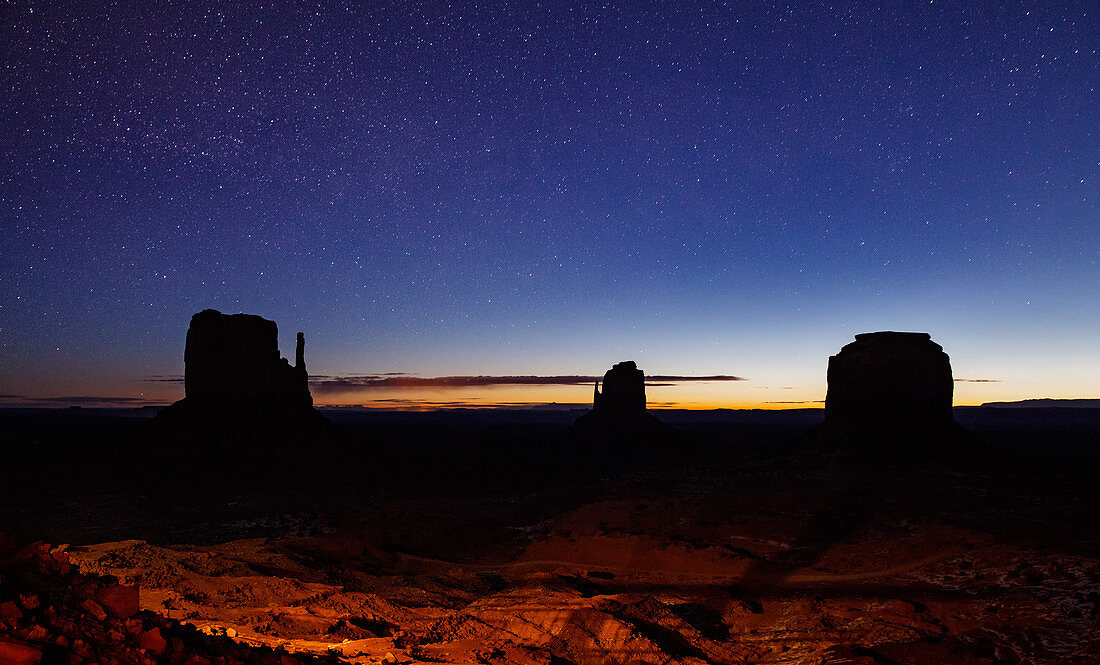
<point x="232" y="370"/>
<point x="60" y="555"/>
<point x="889" y="378"/>
<point x="14" y="653"/>
<point x="121" y="601"/>
<point x="10" y="611"/>
<point x="93" y="608"/>
<point x="152" y="640"/>
<point x="35" y="634"/>
<point x="85" y="589"/>
<point x="29" y="601"/>
<point x="30" y="551"/>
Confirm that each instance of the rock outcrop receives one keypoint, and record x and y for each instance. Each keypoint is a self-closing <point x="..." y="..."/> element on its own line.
<point x="888" y="408"/>
<point x="619" y="412"/>
<point x="889" y="379"/>
<point x="623" y="390"/>
<point x="234" y="373"/>
<point x="233" y="359"/>
<point x="51" y="612"/>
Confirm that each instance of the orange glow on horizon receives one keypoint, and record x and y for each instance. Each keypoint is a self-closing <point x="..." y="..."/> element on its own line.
<point x="799" y="393"/>
<point x="687" y="406"/>
<point x="698" y="396"/>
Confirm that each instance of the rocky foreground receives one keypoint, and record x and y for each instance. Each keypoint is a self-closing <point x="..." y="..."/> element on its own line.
<point x="666" y="581"/>
<point x="468" y="543"/>
<point x="938" y="596"/>
<point x="50" y="612"/>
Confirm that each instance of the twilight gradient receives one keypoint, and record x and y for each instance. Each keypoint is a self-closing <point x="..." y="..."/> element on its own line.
<point x="549" y="188"/>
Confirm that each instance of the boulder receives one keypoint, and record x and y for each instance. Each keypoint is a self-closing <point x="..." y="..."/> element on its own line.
<point x="9" y="612"/>
<point x="152" y="641"/>
<point x="94" y="608"/>
<point x="120" y="601"/>
<point x="17" y="653"/>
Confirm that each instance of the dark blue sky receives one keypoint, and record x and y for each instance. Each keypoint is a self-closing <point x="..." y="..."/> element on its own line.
<point x="548" y="189"/>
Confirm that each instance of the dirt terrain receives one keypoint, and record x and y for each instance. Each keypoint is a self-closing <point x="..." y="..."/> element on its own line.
<point x="464" y="539"/>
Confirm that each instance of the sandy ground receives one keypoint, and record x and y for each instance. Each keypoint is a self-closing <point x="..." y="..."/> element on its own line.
<point x="691" y="558"/>
<point x="911" y="592"/>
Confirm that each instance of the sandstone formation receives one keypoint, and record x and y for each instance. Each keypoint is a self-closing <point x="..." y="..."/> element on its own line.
<point x="234" y="372"/>
<point x="51" y="612"/>
<point x="619" y="412"/>
<point x="234" y="360"/>
<point x="623" y="390"/>
<point x="889" y="379"/>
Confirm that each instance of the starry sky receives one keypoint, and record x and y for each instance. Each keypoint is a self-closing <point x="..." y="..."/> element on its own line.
<point x="547" y="188"/>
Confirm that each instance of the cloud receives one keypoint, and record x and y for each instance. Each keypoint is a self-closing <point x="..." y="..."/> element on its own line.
<point x="329" y="384"/>
<point x="805" y="401"/>
<point x="681" y="379"/>
<point x="977" y="380"/>
<point x="397" y="404"/>
<point x="164" y="378"/>
<point x="23" y="400"/>
<point x="318" y="378"/>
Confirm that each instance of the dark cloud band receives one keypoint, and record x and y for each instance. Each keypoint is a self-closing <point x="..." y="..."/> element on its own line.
<point x="23" y="400"/>
<point x="323" y="384"/>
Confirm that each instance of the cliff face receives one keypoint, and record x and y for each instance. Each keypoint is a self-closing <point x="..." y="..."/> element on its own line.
<point x="233" y="359"/>
<point x="889" y="378"/>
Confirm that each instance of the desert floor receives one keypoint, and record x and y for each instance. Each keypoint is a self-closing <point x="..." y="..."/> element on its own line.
<point x="474" y="537"/>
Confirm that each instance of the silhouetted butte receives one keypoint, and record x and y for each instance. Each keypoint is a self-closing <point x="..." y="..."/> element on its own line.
<point x="619" y="413"/>
<point x="890" y="395"/>
<point x="889" y="379"/>
<point x="234" y="374"/>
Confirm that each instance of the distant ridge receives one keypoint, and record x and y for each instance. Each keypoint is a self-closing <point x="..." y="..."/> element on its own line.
<point x="1045" y="403"/>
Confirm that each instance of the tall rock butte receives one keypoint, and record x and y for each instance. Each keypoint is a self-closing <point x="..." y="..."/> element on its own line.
<point x="234" y="372"/>
<point x="889" y="379"/>
<point x="623" y="390"/>
<point x="619" y="412"/>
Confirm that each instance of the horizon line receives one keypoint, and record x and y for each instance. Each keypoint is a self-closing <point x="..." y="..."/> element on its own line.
<point x="397" y="404"/>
